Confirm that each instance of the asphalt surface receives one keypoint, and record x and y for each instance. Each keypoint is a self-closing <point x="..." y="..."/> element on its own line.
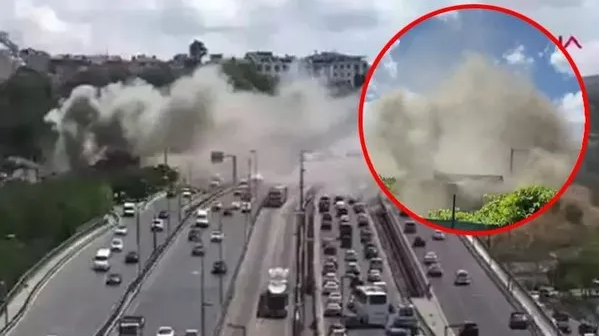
<point x="76" y="301"/>
<point x="481" y="302"/>
<point x="272" y="245"/>
<point x="393" y="294"/>
<point x="172" y="294"/>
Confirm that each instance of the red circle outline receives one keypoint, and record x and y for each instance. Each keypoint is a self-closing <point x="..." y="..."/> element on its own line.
<point x="388" y="46"/>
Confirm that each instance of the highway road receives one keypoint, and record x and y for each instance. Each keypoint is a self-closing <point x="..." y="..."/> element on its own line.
<point x="331" y="236"/>
<point x="76" y="301"/>
<point x="481" y="302"/>
<point x="171" y="296"/>
<point x="272" y="245"/>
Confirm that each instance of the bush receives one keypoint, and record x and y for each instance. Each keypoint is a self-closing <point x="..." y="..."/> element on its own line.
<point x="504" y="208"/>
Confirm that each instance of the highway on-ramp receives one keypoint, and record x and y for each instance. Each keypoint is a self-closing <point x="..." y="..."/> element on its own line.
<point x="272" y="245"/>
<point x="481" y="302"/>
<point x="172" y="295"/>
<point x="76" y="301"/>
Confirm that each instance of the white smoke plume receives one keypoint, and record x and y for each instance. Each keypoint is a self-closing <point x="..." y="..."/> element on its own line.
<point x="196" y="114"/>
<point x="468" y="125"/>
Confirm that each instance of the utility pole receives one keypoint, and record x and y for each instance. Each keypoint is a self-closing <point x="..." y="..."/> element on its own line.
<point x="179" y="204"/>
<point x="138" y="238"/>
<point x="234" y="161"/>
<point x="301" y="179"/>
<point x="203" y="294"/>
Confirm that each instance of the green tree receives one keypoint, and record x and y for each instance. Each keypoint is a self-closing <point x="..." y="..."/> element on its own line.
<point x="245" y="76"/>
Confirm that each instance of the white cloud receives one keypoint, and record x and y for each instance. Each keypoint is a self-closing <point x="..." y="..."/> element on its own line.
<point x="517" y="56"/>
<point x="572" y="107"/>
<point x="586" y="59"/>
<point x="164" y="27"/>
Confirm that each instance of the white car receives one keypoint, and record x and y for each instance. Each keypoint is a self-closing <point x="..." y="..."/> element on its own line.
<point x="236" y="205"/>
<point x="246" y="207"/>
<point x="334" y="297"/>
<point x="191" y="332"/>
<point x="351" y="256"/>
<point x="214" y="184"/>
<point x="330" y="277"/>
<point x="430" y="258"/>
<point x="216" y="236"/>
<point x="332" y="309"/>
<point x="120" y="230"/>
<point x="157" y="225"/>
<point x="337" y="330"/>
<point x="186" y="193"/>
<point x="165" y="331"/>
<point x="339" y="204"/>
<point x="217" y="206"/>
<point x="344" y="219"/>
<point x="116" y="245"/>
<point x="257" y="177"/>
<point x="438" y="235"/>
<point x="329" y="287"/>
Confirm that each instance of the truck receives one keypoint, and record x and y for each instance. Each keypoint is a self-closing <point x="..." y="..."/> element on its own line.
<point x="404" y="318"/>
<point x="131" y="325"/>
<point x="324" y="204"/>
<point x="276" y="197"/>
<point x="274" y="299"/>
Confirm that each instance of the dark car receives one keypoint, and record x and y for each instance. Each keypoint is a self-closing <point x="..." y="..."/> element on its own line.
<point x="342" y="211"/>
<point x="419" y="242"/>
<point x="228" y="212"/>
<point x="163" y="214"/>
<point x="113" y="279"/>
<point x="519" y="321"/>
<point x="359" y="208"/>
<point x="194" y="235"/>
<point x="198" y="251"/>
<point x="219" y="267"/>
<point x="586" y="327"/>
<point x="409" y="227"/>
<point x="330" y="250"/>
<point x="469" y="329"/>
<point x="338" y="198"/>
<point x="362" y="220"/>
<point x="351" y="201"/>
<point x="131" y="257"/>
<point x="434" y="271"/>
<point x="371" y="252"/>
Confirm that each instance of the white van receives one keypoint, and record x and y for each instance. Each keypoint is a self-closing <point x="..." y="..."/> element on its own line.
<point x="202" y="218"/>
<point x="129" y="209"/>
<point x="101" y="260"/>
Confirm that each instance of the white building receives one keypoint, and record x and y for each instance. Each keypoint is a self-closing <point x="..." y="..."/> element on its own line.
<point x="269" y="64"/>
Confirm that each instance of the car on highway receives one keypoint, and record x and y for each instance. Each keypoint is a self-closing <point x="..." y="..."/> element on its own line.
<point x="101" y="260"/>
<point x="519" y="321"/>
<point x="217" y="206"/>
<point x="352" y="268"/>
<point x="371" y="252"/>
<point x="365" y="236"/>
<point x="202" y="219"/>
<point x="462" y="278"/>
<point x="332" y="309"/>
<point x="219" y="268"/>
<point x="409" y="227"/>
<point x="562" y="321"/>
<point x="186" y="193"/>
<point x="329" y="249"/>
<point x="359" y="208"/>
<point x="194" y="235"/>
<point x="376" y="264"/>
<point x="191" y="332"/>
<point x="257" y="177"/>
<point x="332" y="259"/>
<point x="157" y="225"/>
<point x="351" y="255"/>
<point x="113" y="279"/>
<point x="117" y="245"/>
<point x="131" y="257"/>
<point x="198" y="250"/>
<point x="419" y="242"/>
<point x="344" y="219"/>
<point x="246" y="207"/>
<point x="329" y="287"/>
<point x="430" y="258"/>
<point x="342" y="211"/>
<point x="338" y="198"/>
<point x="120" y="230"/>
<point x="214" y="184"/>
<point x="228" y="212"/>
<point x="468" y="329"/>
<point x="334" y="297"/>
<point x="216" y="236"/>
<point x="162" y="214"/>
<point x="329" y="267"/>
<point x="165" y="331"/>
<point x="129" y="209"/>
<point x="373" y="275"/>
<point x="434" y="271"/>
<point x="438" y="235"/>
<point x="362" y="220"/>
<point x="235" y="205"/>
<point x="332" y="276"/>
<point x="337" y="329"/>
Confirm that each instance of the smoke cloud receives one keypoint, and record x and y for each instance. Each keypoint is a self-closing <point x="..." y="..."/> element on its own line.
<point x="466" y="127"/>
<point x="196" y="114"/>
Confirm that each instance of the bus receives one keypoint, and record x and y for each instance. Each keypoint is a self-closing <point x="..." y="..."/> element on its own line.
<point x="371" y="305"/>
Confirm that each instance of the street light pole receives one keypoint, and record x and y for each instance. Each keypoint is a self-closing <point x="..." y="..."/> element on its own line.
<point x="138" y="237"/>
<point x="203" y="295"/>
<point x="220" y="258"/>
<point x="301" y="179"/>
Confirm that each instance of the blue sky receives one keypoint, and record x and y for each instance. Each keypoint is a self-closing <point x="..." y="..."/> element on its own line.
<point x="438" y="45"/>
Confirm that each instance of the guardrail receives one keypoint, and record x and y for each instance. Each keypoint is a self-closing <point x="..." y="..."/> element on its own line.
<point x="510" y="286"/>
<point x="402" y="254"/>
<point x="21" y="284"/>
<point x="134" y="287"/>
<point x="231" y="290"/>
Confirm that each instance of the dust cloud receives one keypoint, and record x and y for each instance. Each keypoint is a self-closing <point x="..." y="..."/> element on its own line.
<point x="482" y="129"/>
<point x="196" y="114"/>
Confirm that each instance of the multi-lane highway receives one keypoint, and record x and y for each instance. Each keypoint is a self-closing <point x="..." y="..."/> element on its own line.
<point x="481" y="302"/>
<point x="76" y="301"/>
<point x="272" y="245"/>
<point x="172" y="294"/>
<point x="331" y="237"/>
